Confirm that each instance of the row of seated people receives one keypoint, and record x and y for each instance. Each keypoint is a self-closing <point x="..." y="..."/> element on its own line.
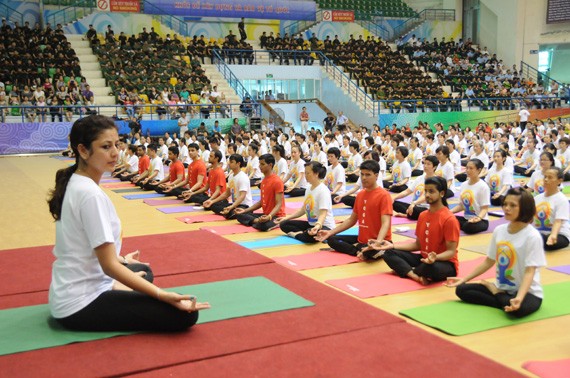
<point x="476" y="73"/>
<point x="206" y="184"/>
<point x="32" y="56"/>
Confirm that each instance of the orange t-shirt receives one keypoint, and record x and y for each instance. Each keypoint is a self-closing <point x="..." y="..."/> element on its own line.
<point x="270" y="186"/>
<point x="196" y="168"/>
<point x="369" y="206"/>
<point x="144" y="163"/>
<point x="435" y="229"/>
<point x="216" y="177"/>
<point x="176" y="168"/>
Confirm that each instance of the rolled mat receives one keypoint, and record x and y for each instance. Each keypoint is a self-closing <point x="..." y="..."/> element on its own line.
<point x="460" y="318"/>
<point x="229" y="299"/>
<point x="278" y="241"/>
<point x="549" y="369"/>
<point x="229" y="229"/>
<point x="142" y="196"/>
<point x="375" y="285"/>
<point x="316" y="260"/>
<point x="173" y="253"/>
<point x="201" y="218"/>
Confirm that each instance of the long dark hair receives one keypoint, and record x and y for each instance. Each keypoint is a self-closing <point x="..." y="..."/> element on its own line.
<point x="84" y="131"/>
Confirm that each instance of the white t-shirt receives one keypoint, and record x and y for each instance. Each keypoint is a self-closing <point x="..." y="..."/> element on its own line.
<point x="512" y="254"/>
<point x="484" y="159"/>
<point x="510" y="164"/>
<point x="379" y="182"/>
<point x="530" y="158"/>
<point x="415" y="156"/>
<point x="88" y="220"/>
<point x="133" y="164"/>
<point x="447" y="172"/>
<point x="163" y="152"/>
<point x="564" y="157"/>
<point x="183" y="155"/>
<point x="315" y="200"/>
<point x="206" y="156"/>
<point x="536" y="181"/>
<point x="401" y="171"/>
<point x="524" y="114"/>
<point x="156" y="165"/>
<point x="240" y="183"/>
<point x="473" y="197"/>
<point x="281" y="168"/>
<point x="296" y="169"/>
<point x="549" y="209"/>
<point x="253" y="165"/>
<point x="354" y="162"/>
<point x="417" y="187"/>
<point x="333" y="177"/>
<point x="321" y="157"/>
<point x="497" y="179"/>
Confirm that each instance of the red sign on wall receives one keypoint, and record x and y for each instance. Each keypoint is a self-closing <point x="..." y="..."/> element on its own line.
<point x="338" y="16"/>
<point x="133" y="6"/>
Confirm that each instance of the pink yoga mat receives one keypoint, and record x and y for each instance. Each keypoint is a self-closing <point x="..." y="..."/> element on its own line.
<point x="159" y="202"/>
<point x="375" y="285"/>
<point x="549" y="369"/>
<point x="176" y="209"/>
<point x="201" y="218"/>
<point x="316" y="260"/>
<point x="294" y="205"/>
<point x="116" y="185"/>
<point x="109" y="180"/>
<point x="229" y="229"/>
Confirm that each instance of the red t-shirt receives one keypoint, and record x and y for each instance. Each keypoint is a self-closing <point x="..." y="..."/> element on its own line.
<point x="196" y="168"/>
<point x="176" y="168"/>
<point x="216" y="177"/>
<point x="144" y="163"/>
<point x="369" y="206"/>
<point x="270" y="186"/>
<point x="435" y="229"/>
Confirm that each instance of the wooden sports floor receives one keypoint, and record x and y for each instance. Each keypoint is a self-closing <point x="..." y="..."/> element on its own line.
<point x="26" y="222"/>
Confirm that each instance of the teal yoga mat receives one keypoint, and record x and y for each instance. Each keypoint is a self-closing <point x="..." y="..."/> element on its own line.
<point x="31" y="328"/>
<point x="278" y="241"/>
<point x="459" y="318"/>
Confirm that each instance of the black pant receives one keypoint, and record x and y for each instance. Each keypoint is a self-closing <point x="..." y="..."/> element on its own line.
<point x="348" y="201"/>
<point x="402" y="208"/>
<point x="247" y="220"/>
<point x="352" y="177"/>
<point x="472" y="228"/>
<point x="394" y="188"/>
<point x="497" y="201"/>
<point x="522" y="171"/>
<point x="461" y="177"/>
<point x="299" y="226"/>
<point x="479" y="294"/>
<point x="351" y="246"/>
<point x="402" y="262"/>
<point x="197" y="198"/>
<point x="127" y="177"/>
<point x="417" y="172"/>
<point x="561" y="242"/>
<point x="219" y="206"/>
<point x="118" y="310"/>
<point x="296" y="192"/>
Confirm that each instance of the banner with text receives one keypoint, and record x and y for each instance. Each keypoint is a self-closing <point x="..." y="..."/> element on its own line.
<point x="131" y="6"/>
<point x="268" y="9"/>
<point x="338" y="16"/>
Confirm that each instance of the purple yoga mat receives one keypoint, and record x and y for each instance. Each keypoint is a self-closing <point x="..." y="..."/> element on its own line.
<point x="561" y="269"/>
<point x="155" y="202"/>
<point x="109" y="180"/>
<point x="177" y="209"/>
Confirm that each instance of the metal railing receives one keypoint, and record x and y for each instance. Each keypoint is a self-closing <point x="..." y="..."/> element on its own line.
<point x="228" y="74"/>
<point x="425" y="15"/>
<point x="59" y="113"/>
<point x="376" y="29"/>
<point x="527" y="71"/>
<point x="71" y="13"/>
<point x="300" y="26"/>
<point x="176" y="24"/>
<point x="11" y="15"/>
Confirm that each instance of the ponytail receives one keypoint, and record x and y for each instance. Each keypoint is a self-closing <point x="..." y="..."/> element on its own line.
<point x="55" y="202"/>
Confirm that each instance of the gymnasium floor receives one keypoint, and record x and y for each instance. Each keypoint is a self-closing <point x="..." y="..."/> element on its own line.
<point x="25" y="222"/>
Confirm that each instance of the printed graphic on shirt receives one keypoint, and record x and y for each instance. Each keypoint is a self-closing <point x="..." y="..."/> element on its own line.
<point x="506" y="259"/>
<point x="468" y="199"/>
<point x="294" y="173"/>
<point x="495" y="183"/>
<point x="309" y="205"/>
<point x="529" y="161"/>
<point x="397" y="174"/>
<point x="232" y="187"/>
<point x="539" y="186"/>
<point x="418" y="192"/>
<point x="329" y="181"/>
<point x="351" y="166"/>
<point x="542" y="216"/>
<point x="439" y="173"/>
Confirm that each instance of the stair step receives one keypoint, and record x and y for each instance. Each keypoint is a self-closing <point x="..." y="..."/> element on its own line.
<point x="91" y="74"/>
<point x="87" y="59"/>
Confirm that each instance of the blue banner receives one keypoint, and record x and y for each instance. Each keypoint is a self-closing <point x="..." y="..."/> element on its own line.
<point x="269" y="9"/>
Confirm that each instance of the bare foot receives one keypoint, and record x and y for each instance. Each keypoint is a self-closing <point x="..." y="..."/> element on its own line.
<point x="399" y="215"/>
<point x="293" y="234"/>
<point x="424" y="281"/>
<point x="491" y="287"/>
<point x="415" y="277"/>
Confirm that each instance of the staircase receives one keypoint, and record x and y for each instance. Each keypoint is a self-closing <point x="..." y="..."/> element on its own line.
<point x="91" y="70"/>
<point x="216" y="78"/>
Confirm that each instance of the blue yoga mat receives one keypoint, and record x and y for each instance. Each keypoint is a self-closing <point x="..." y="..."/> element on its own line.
<point x="353" y="231"/>
<point x="279" y="241"/>
<point x="142" y="196"/>
<point x="342" y="211"/>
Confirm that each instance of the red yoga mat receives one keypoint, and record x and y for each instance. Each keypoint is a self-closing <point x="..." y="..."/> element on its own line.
<point x="315" y="260"/>
<point x="333" y="313"/>
<point x="174" y="253"/>
<point x="549" y="369"/>
<point x="229" y="229"/>
<point x="375" y="285"/>
<point x="201" y="218"/>
<point x="348" y="355"/>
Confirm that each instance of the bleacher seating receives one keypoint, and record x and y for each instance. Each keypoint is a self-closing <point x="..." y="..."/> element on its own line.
<point x="368" y="9"/>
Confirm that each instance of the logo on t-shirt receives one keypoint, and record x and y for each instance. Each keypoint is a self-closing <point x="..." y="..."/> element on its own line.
<point x="506" y="259"/>
<point x="468" y="199"/>
<point x="397" y="174"/>
<point x="309" y="205"/>
<point x="542" y="216"/>
<point x="539" y="186"/>
<point x="418" y="192"/>
<point x="232" y="188"/>
<point x="329" y="180"/>
<point x="495" y="183"/>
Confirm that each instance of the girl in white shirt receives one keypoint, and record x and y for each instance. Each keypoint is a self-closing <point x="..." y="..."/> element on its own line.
<point x="318" y="154"/>
<point x="474" y="200"/>
<point x="280" y="168"/>
<point x="90" y="280"/>
<point x="499" y="178"/>
<point x="517" y="251"/>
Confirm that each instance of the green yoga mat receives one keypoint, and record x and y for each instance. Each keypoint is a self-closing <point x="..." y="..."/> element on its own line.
<point x="460" y="318"/>
<point x="127" y="190"/>
<point x="30" y="328"/>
